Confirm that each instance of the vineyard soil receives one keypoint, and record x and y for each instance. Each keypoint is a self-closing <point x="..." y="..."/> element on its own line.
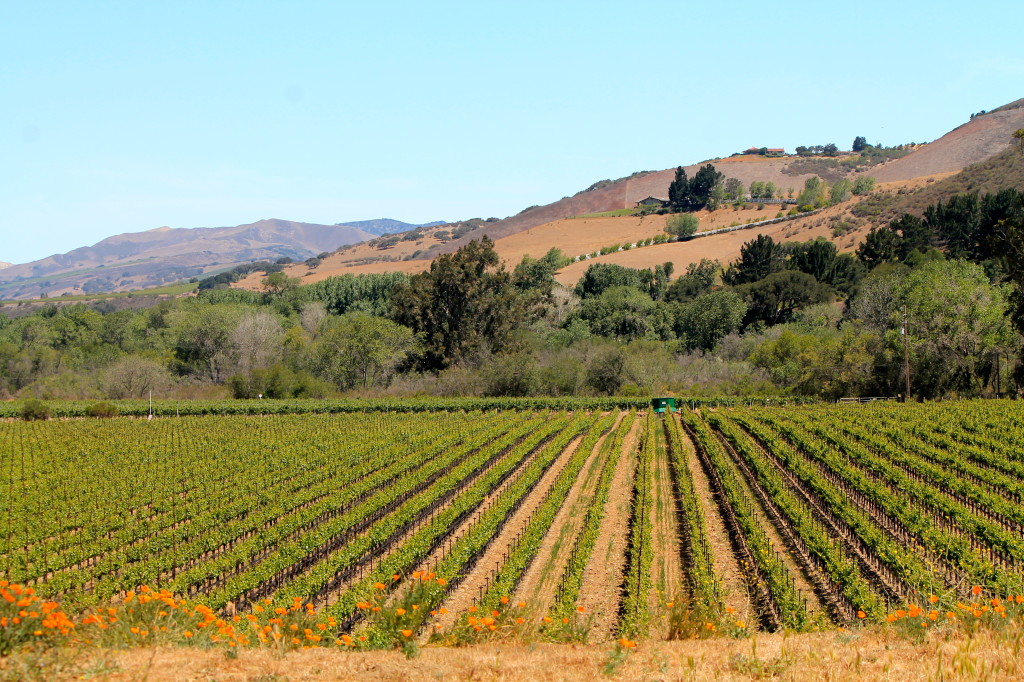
<point x="734" y="588"/>
<point x="601" y="589"/>
<point x="478" y="580"/>
<point x="539" y="583"/>
<point x="536" y="525"/>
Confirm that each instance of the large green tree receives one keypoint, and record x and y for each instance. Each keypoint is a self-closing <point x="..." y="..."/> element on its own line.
<point x="915" y="235"/>
<point x="537" y="275"/>
<point x="1008" y="240"/>
<point x="602" y="276"/>
<point x="774" y="299"/>
<point x="624" y="312"/>
<point x="955" y="222"/>
<point x="358" y="349"/>
<point x="350" y="293"/>
<point x="682" y="225"/>
<point x="693" y="194"/>
<point x="956" y="324"/>
<point x="703" y="185"/>
<point x="202" y="340"/>
<point x="881" y="245"/>
<point x="465" y="303"/>
<point x="759" y="258"/>
<point x="701" y="323"/>
<point x="679" y="189"/>
<point x="698" y="279"/>
<point x="828" y="363"/>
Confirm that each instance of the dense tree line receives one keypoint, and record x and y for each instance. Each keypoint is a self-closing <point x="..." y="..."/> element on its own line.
<point x="783" y="317"/>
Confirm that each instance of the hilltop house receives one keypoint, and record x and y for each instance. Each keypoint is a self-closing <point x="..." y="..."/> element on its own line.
<point x="766" y="151"/>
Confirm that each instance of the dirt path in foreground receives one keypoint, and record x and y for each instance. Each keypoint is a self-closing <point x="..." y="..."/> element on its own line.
<point x="667" y="573"/>
<point x="734" y="588"/>
<point x="541" y="580"/>
<point x="474" y="584"/>
<point x="871" y="655"/>
<point x="601" y="590"/>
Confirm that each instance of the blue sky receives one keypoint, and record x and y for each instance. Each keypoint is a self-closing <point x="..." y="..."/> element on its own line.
<point x="126" y="116"/>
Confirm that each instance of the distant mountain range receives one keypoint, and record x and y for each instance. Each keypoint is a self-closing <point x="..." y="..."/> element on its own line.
<point x="165" y="255"/>
<point x="5" y="265"/>
<point x="388" y="226"/>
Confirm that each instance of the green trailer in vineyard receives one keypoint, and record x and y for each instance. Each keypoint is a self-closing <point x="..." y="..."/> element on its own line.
<point x="663" y="405"/>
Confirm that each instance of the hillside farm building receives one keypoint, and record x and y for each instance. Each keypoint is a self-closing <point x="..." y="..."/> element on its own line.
<point x="766" y="151"/>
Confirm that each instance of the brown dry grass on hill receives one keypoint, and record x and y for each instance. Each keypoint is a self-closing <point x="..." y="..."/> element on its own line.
<point x="972" y="142"/>
<point x="907" y="185"/>
<point x="979" y="139"/>
<point x="833" y="655"/>
<point x="577" y="236"/>
<point x="1002" y="171"/>
<point x="726" y="247"/>
<point x="253" y="281"/>
<point x="893" y="199"/>
<point x="625" y="193"/>
<point x="574" y="236"/>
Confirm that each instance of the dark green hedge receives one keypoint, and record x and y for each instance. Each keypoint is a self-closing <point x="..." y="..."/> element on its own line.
<point x="303" y="406"/>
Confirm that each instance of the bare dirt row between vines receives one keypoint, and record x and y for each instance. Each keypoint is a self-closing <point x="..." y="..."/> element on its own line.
<point x="539" y="583"/>
<point x="472" y="586"/>
<point x="601" y="590"/>
<point x="667" y="573"/>
<point x="397" y="544"/>
<point x="727" y="568"/>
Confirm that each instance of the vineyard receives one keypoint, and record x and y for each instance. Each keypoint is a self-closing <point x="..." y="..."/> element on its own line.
<point x="598" y="523"/>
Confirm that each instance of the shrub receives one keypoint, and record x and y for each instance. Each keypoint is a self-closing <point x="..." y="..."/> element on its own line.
<point x="682" y="225"/>
<point x="102" y="410"/>
<point x="34" y="409"/>
<point x="865" y="184"/>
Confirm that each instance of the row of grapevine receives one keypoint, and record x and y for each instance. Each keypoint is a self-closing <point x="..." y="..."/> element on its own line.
<point x="568" y="590"/>
<point x="524" y="550"/>
<point x="634" y="612"/>
<point x="882" y="554"/>
<point x="840" y="577"/>
<point x="829" y="514"/>
<point x="704" y="586"/>
<point x="916" y="509"/>
<point x="781" y="604"/>
<point x="455" y="561"/>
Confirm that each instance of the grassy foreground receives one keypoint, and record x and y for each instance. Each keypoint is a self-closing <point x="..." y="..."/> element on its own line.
<point x="153" y="635"/>
<point x="869" y="654"/>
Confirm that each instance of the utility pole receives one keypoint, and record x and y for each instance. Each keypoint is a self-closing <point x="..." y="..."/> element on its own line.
<point x="906" y="354"/>
<point x="997" y="375"/>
